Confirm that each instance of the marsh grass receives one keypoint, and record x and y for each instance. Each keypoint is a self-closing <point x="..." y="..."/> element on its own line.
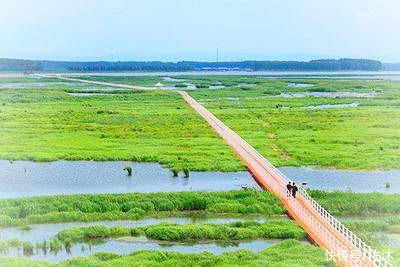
<point x="186" y="172"/>
<point x="175" y="172"/>
<point x="128" y="169"/>
<point x="249" y="230"/>
<point x="365" y="204"/>
<point x="27" y="248"/>
<point x="80" y="234"/>
<point x="70" y="208"/>
<point x="236" y="231"/>
<point x="67" y="208"/>
<point x="143" y="127"/>
<point x="25" y="227"/>
<point x="158" y="126"/>
<point x="286" y="253"/>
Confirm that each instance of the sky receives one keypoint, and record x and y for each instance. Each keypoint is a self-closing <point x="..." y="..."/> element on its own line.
<point x="175" y="30"/>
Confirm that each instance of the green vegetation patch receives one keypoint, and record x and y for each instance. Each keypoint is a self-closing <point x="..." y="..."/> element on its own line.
<point x="286" y="253"/>
<point x="249" y="230"/>
<point x="236" y="231"/>
<point x="68" y="208"/>
<point x="364" y="204"/>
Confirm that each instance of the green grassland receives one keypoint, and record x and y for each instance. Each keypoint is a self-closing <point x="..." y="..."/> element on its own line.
<point x="67" y="208"/>
<point x="366" y="137"/>
<point x="46" y="123"/>
<point x="27" y="79"/>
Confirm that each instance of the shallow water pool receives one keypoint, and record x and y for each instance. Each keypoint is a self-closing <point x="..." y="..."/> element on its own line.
<point x="46" y="231"/>
<point x="26" y="178"/>
<point x="125" y="247"/>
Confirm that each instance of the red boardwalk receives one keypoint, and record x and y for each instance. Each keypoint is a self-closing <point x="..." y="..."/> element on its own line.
<point x="321" y="227"/>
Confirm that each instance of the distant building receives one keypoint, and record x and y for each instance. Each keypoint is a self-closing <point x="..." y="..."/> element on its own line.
<point x="159" y="84"/>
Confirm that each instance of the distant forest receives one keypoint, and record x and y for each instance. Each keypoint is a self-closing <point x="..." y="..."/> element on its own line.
<point x="344" y="64"/>
<point x="391" y="66"/>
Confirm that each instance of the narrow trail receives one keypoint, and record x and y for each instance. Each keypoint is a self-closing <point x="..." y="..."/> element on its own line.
<point x="325" y="230"/>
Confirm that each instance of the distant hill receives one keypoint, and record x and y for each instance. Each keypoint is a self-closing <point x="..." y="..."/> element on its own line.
<point x="391" y="66"/>
<point x="344" y="64"/>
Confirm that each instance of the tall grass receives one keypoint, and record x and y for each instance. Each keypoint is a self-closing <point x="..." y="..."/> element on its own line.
<point x="132" y="206"/>
<point x="236" y="231"/>
<point x="80" y="234"/>
<point x="174" y="232"/>
<point x="344" y="203"/>
<point x="69" y="208"/>
<point x="128" y="169"/>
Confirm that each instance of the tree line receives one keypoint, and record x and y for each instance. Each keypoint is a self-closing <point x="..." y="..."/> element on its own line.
<point x="344" y="64"/>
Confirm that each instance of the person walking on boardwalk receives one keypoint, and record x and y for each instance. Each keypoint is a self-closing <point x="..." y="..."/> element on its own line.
<point x="294" y="190"/>
<point x="289" y="188"/>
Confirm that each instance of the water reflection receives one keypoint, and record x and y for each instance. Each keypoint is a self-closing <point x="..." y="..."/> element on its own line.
<point x="339" y="180"/>
<point x="26" y="178"/>
<point x="124" y="247"/>
<point x="41" y="232"/>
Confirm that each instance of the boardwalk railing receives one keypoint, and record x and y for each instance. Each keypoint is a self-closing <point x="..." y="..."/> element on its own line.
<point x="363" y="249"/>
<point x="343" y="245"/>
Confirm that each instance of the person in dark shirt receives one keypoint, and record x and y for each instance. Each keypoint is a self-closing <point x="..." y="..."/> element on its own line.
<point x="294" y="190"/>
<point x="289" y="188"/>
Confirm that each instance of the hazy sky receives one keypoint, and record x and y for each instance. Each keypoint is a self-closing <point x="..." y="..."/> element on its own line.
<point x="193" y="30"/>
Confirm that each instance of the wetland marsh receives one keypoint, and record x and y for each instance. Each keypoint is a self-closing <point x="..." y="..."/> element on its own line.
<point x="57" y="143"/>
